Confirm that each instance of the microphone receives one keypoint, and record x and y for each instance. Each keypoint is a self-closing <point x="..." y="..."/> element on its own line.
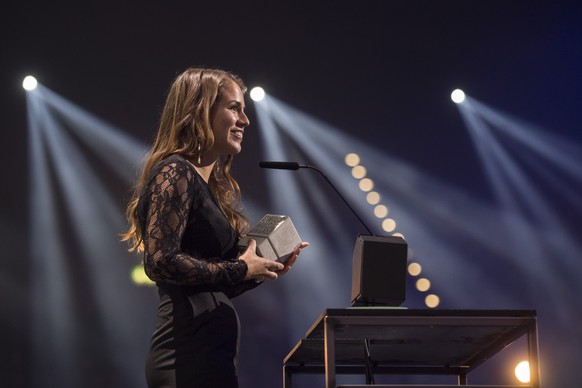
<point x="297" y="166"/>
<point x="281" y="165"/>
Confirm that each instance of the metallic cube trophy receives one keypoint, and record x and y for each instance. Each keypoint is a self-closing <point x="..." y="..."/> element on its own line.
<point x="276" y="237"/>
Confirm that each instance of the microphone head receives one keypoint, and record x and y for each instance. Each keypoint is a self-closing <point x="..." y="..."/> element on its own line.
<point x="280" y="165"/>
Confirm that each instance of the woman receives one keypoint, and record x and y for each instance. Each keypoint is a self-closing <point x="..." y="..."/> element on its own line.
<point x="185" y="216"/>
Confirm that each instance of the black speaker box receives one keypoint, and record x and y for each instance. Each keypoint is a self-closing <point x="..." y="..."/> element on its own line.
<point x="379" y="271"/>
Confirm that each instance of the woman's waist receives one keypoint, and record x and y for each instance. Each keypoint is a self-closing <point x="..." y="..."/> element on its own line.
<point x="178" y="291"/>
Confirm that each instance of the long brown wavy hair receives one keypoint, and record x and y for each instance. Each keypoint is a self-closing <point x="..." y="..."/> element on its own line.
<point x="185" y="130"/>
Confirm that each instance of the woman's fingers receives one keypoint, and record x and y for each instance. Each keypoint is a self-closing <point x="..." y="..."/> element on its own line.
<point x="291" y="260"/>
<point x="267" y="268"/>
<point x="252" y="245"/>
<point x="272" y="268"/>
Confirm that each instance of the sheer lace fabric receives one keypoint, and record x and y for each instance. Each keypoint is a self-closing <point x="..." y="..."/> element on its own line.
<point x="187" y="240"/>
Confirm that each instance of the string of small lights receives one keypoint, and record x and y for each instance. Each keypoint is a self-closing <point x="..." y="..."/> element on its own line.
<point x="389" y="225"/>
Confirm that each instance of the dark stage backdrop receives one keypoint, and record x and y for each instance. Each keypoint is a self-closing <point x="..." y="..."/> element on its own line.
<point x="378" y="71"/>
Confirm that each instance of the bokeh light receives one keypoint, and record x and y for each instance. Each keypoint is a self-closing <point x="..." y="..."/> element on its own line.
<point x="432" y="301"/>
<point x="352" y="159"/>
<point x="414" y="269"/>
<point x="522" y="372"/>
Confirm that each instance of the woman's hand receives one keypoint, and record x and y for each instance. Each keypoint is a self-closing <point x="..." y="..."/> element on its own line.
<point x="291" y="260"/>
<point x="258" y="267"/>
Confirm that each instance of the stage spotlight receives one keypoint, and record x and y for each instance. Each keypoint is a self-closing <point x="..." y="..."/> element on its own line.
<point x="257" y="93"/>
<point x="522" y="372"/>
<point x="29" y="83"/>
<point x="458" y="96"/>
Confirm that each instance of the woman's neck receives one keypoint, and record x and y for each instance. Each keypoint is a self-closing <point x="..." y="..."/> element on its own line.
<point x="204" y="169"/>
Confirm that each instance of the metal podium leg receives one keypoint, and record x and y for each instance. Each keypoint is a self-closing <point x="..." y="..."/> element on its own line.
<point x="286" y="377"/>
<point x="329" y="345"/>
<point x="534" y="366"/>
<point x="463" y="379"/>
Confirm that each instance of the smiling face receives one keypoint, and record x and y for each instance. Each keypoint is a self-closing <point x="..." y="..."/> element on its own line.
<point x="228" y="120"/>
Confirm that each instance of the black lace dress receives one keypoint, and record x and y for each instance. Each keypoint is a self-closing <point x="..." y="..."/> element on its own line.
<point x="191" y="253"/>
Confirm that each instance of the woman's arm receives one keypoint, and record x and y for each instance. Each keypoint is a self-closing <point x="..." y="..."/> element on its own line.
<point x="171" y="194"/>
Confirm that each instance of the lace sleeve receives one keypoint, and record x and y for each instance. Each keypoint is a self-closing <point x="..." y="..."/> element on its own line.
<point x="170" y="195"/>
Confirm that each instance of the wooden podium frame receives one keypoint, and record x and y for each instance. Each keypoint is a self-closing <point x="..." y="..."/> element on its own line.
<point x="413" y="342"/>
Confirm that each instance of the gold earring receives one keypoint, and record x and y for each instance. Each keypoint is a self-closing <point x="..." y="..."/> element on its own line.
<point x="199" y="154"/>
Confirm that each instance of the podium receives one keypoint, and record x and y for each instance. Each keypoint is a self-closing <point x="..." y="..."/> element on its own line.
<point x="374" y="341"/>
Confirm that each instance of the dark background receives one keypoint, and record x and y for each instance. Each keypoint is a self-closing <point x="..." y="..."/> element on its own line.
<point x="381" y="70"/>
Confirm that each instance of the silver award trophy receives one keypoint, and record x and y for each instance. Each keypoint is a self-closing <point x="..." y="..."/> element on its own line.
<point x="276" y="237"/>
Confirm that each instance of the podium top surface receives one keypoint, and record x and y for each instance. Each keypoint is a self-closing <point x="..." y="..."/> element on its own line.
<point x="402" y="337"/>
<point x="402" y="311"/>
